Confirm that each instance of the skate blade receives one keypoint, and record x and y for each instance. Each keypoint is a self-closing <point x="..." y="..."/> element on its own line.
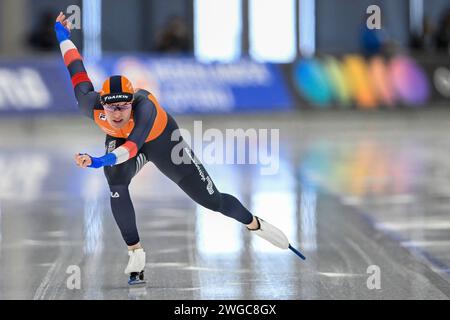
<point x="301" y="256"/>
<point x="137" y="283"/>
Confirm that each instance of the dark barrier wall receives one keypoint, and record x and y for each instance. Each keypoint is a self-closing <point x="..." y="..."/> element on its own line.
<point x="340" y="23"/>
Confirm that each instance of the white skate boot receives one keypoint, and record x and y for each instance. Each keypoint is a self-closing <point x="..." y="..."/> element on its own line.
<point x="270" y="233"/>
<point x="135" y="267"/>
<point x="275" y="236"/>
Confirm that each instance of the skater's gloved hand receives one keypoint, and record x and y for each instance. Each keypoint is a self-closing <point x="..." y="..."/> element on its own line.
<point x="62" y="28"/>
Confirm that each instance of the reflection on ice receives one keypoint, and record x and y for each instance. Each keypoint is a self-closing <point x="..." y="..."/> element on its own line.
<point x="216" y="234"/>
<point x="23" y="175"/>
<point x="308" y="206"/>
<point x="92" y="192"/>
<point x="136" y="293"/>
<point x="274" y="199"/>
<point x="278" y="208"/>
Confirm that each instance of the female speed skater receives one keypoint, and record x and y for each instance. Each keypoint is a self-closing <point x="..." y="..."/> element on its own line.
<point x="139" y="130"/>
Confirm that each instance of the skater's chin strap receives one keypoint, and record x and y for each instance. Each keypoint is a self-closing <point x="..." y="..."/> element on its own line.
<point x="259" y="225"/>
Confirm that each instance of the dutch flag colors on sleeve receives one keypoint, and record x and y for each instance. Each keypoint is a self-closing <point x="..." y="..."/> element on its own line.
<point x="126" y="151"/>
<point x="71" y="56"/>
<point x="69" y="52"/>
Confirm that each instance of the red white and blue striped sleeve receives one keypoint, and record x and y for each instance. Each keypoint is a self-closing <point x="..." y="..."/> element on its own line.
<point x="126" y="151"/>
<point x="86" y="96"/>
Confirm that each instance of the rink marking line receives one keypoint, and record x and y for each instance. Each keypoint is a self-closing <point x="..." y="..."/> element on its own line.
<point x="169" y="250"/>
<point x="194" y="268"/>
<point x="341" y="275"/>
<point x="166" y="264"/>
<point x="418" y="224"/>
<point x="391" y="233"/>
<point x="48" y="243"/>
<point x="56" y="233"/>
<point x="185" y="266"/>
<point x="40" y="292"/>
<point x="360" y="251"/>
<point x="400" y="199"/>
<point x="426" y="243"/>
<point x="39" y="243"/>
<point x="45" y="283"/>
<point x="175" y="233"/>
<point x="436" y="263"/>
<point x="345" y="258"/>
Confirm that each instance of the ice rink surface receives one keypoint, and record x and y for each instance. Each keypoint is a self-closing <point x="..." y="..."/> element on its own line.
<point x="358" y="193"/>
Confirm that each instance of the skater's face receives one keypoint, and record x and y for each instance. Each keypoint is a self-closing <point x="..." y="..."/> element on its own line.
<point x="117" y="115"/>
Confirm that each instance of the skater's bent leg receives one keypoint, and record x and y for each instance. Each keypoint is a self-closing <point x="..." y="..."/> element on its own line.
<point x="123" y="212"/>
<point x="206" y="194"/>
<point x="119" y="177"/>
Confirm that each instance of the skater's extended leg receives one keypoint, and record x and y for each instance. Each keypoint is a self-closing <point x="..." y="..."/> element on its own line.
<point x="206" y="194"/>
<point x="194" y="180"/>
<point x="202" y="190"/>
<point x="190" y="175"/>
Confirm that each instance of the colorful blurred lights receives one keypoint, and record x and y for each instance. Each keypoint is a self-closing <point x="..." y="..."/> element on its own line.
<point x="409" y="80"/>
<point x="368" y="83"/>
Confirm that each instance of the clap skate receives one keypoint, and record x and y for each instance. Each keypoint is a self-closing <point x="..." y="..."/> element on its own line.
<point x="274" y="235"/>
<point x="135" y="267"/>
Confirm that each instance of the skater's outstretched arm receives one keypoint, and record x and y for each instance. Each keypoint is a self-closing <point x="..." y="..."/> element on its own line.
<point x="84" y="90"/>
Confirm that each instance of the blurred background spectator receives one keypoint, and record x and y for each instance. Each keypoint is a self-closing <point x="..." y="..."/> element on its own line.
<point x="423" y="40"/>
<point x="373" y="41"/>
<point x="443" y="32"/>
<point x="174" y="37"/>
<point x="323" y="26"/>
<point x="42" y="37"/>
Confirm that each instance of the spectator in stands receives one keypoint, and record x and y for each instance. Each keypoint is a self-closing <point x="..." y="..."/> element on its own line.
<point x="372" y="41"/>
<point x="442" y="36"/>
<point x="174" y="37"/>
<point x="423" y="40"/>
<point x="43" y="37"/>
